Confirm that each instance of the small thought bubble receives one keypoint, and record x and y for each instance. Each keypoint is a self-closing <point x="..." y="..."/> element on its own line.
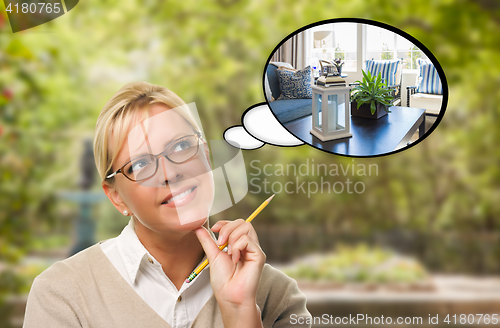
<point x="259" y="126"/>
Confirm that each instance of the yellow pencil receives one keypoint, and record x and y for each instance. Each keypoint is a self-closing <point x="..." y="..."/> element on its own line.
<point x="250" y="218"/>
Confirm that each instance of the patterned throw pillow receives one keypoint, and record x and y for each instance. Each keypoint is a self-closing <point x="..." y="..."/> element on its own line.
<point x="387" y="68"/>
<point x="295" y="84"/>
<point x="428" y="80"/>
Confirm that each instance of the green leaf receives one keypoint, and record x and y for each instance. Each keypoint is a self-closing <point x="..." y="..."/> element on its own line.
<point x="16" y="48"/>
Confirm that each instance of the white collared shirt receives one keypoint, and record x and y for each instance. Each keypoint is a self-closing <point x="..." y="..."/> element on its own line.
<point x="144" y="273"/>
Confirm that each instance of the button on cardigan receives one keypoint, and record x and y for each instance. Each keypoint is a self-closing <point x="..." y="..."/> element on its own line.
<point x="86" y="291"/>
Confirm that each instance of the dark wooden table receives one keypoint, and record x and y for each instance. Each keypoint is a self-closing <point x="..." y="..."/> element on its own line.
<point x="369" y="137"/>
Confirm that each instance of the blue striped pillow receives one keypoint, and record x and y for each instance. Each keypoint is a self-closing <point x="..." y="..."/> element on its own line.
<point x="387" y="68"/>
<point x="428" y="80"/>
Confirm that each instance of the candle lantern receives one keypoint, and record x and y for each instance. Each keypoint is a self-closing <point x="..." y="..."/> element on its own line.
<point x="331" y="111"/>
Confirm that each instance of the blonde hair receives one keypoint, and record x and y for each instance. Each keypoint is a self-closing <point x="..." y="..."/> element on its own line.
<point x="117" y="115"/>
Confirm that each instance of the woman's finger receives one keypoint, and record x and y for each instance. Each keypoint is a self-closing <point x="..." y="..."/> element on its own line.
<point x="245" y="245"/>
<point x="207" y="243"/>
<point x="218" y="225"/>
<point x="244" y="229"/>
<point x="227" y="229"/>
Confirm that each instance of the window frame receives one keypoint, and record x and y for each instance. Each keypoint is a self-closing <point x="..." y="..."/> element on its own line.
<point x="309" y="41"/>
<point x="361" y="48"/>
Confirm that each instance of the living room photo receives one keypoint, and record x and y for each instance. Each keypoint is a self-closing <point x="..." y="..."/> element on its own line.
<point x="357" y="88"/>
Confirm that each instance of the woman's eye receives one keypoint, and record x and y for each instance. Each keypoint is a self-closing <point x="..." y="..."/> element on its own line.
<point x="181" y="146"/>
<point x="137" y="166"/>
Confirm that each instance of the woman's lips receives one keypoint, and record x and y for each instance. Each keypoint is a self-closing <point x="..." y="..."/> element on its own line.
<point x="182" y="198"/>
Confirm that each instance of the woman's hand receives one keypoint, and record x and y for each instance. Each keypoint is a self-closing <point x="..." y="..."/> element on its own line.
<point x="235" y="275"/>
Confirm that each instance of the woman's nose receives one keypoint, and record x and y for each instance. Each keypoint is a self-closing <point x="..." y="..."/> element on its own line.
<point x="168" y="172"/>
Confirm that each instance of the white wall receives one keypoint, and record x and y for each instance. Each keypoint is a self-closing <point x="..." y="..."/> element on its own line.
<point x="409" y="79"/>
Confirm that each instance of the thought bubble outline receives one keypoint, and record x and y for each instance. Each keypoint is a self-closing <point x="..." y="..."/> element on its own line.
<point x="241" y="147"/>
<point x="264" y="142"/>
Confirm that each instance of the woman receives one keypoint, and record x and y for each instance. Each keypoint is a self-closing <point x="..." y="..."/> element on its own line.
<point x="154" y="167"/>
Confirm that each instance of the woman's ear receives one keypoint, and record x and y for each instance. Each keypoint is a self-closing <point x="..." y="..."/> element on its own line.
<point x="115" y="198"/>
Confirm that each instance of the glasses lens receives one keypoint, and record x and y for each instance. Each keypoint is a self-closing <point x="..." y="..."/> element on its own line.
<point x="183" y="149"/>
<point x="140" y="168"/>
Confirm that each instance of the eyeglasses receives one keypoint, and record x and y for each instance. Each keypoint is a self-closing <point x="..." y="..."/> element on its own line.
<point x="144" y="167"/>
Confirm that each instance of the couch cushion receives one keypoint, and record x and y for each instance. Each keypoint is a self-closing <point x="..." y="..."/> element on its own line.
<point x="431" y="103"/>
<point x="428" y="80"/>
<point x="292" y="109"/>
<point x="267" y="89"/>
<point x="386" y="68"/>
<point x="295" y="84"/>
<point x="274" y="83"/>
<point x="272" y="77"/>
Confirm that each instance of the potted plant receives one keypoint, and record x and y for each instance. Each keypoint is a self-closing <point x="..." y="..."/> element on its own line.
<point x="371" y="98"/>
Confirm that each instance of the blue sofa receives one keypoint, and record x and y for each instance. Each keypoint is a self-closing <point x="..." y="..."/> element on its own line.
<point x="285" y="110"/>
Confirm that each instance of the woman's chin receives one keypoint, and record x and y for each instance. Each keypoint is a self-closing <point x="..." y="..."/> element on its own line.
<point x="192" y="216"/>
<point x="192" y="224"/>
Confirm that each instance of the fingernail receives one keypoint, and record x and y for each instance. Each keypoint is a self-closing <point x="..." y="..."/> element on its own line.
<point x="229" y="249"/>
<point x="218" y="240"/>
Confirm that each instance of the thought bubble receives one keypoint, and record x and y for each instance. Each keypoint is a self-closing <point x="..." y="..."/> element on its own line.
<point x="317" y="91"/>
<point x="259" y="127"/>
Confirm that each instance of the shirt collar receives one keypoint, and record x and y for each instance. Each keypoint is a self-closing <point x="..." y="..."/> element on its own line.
<point x="133" y="252"/>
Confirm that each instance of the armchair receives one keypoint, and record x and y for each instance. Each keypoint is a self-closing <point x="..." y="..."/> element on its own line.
<point x="391" y="72"/>
<point x="428" y="93"/>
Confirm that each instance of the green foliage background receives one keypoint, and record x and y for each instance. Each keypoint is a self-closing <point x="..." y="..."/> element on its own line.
<point x="213" y="53"/>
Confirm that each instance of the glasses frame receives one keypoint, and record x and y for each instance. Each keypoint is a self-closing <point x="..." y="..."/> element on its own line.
<point x="162" y="154"/>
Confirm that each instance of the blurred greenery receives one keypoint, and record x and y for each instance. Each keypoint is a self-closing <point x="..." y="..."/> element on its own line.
<point x="360" y="264"/>
<point x="339" y="53"/>
<point x="387" y="55"/>
<point x="55" y="78"/>
<point x="414" y="54"/>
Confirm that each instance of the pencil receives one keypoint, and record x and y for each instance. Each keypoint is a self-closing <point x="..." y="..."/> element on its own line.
<point x="249" y="219"/>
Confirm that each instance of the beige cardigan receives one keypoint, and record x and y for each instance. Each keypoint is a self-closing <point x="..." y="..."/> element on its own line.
<point x="87" y="291"/>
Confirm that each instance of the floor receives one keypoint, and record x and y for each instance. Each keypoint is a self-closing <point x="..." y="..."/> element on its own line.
<point x="429" y="122"/>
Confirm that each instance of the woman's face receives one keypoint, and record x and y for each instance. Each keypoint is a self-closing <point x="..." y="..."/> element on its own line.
<point x="178" y="197"/>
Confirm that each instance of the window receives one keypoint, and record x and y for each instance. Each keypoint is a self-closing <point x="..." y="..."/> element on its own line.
<point x="409" y="52"/>
<point x="383" y="44"/>
<point x="340" y="40"/>
<point x="330" y="41"/>
<point x="380" y="43"/>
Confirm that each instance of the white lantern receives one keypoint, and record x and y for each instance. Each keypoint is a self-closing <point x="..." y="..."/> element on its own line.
<point x="331" y="110"/>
